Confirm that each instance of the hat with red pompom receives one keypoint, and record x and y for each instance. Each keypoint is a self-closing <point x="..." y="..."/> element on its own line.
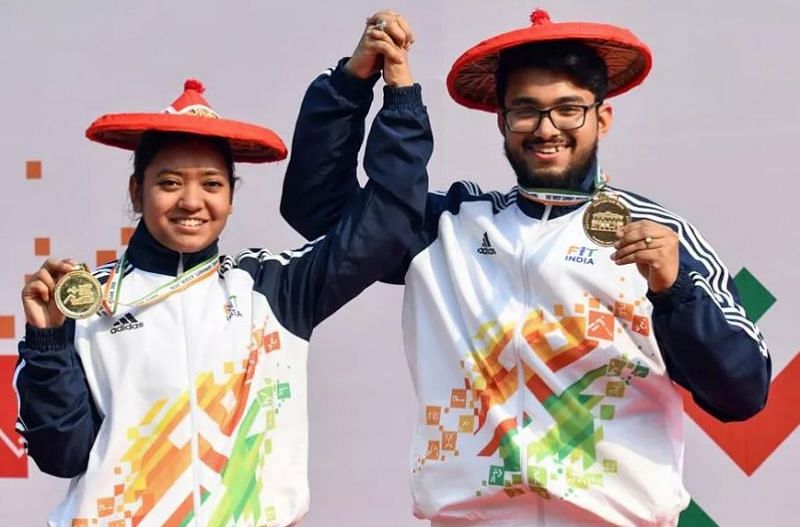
<point x="471" y="81"/>
<point x="190" y="113"/>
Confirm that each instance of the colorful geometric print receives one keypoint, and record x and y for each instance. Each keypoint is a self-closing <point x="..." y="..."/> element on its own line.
<point x="566" y="451"/>
<point x="160" y="454"/>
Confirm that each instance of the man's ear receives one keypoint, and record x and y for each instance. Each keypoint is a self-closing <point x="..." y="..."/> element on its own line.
<point x="605" y="114"/>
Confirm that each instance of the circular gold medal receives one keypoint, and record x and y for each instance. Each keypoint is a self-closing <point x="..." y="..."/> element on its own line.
<point x="603" y="217"/>
<point x="78" y="294"/>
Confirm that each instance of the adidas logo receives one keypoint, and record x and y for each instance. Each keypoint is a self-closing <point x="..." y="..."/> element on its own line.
<point x="486" y="245"/>
<point x="126" y="323"/>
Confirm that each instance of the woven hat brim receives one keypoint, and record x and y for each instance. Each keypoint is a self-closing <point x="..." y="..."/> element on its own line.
<point x="249" y="143"/>
<point x="471" y="81"/>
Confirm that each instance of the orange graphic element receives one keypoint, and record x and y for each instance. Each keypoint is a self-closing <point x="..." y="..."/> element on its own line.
<point x="156" y="462"/>
<point x="211" y="457"/>
<point x="272" y="342"/>
<point x="502" y="429"/>
<point x="33" y="170"/>
<point x="641" y="325"/>
<point x="601" y="325"/>
<point x="105" y="507"/>
<point x="570" y="331"/>
<point x="7" y="327"/>
<point x="125" y="234"/>
<point x="623" y="310"/>
<point x="41" y="246"/>
<point x="433" y="450"/>
<point x="449" y="441"/>
<point x="432" y="415"/>
<point x="103" y="257"/>
<point x="539" y="389"/>
<point x="558" y="343"/>
<point x="80" y="522"/>
<point x="212" y="397"/>
<point x="492" y="382"/>
<point x="177" y="517"/>
<point x="750" y="443"/>
<point x="458" y="399"/>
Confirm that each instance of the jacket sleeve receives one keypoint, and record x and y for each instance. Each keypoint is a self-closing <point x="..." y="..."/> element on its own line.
<point x="57" y="415"/>
<point x="374" y="231"/>
<point x="709" y="345"/>
<point x="321" y="175"/>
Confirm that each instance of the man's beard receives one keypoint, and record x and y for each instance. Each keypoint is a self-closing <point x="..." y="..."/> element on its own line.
<point x="570" y="178"/>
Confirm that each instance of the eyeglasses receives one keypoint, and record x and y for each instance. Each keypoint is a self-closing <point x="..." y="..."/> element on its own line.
<point x="564" y="117"/>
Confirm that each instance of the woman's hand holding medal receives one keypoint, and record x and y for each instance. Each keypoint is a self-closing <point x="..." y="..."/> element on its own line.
<point x="654" y="248"/>
<point x="38" y="298"/>
<point x="58" y="289"/>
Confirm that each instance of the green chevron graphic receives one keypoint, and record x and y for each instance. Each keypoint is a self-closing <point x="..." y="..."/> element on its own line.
<point x="756" y="300"/>
<point x="694" y="516"/>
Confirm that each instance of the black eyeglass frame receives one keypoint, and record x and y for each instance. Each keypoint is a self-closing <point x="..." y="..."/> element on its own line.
<point x="546" y="113"/>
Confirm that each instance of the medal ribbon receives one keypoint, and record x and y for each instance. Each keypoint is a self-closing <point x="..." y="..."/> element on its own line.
<point x="561" y="197"/>
<point x="183" y="281"/>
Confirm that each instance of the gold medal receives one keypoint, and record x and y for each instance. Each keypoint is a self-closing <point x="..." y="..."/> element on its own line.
<point x="78" y="294"/>
<point x="603" y="217"/>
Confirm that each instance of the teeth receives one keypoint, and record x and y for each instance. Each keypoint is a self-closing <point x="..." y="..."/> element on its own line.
<point x="188" y="222"/>
<point x="548" y="149"/>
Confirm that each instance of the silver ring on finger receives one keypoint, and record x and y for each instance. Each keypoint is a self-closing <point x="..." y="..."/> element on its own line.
<point x="381" y="25"/>
<point x="648" y="241"/>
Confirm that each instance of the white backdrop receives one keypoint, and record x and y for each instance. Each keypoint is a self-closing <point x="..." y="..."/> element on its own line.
<point x="712" y="134"/>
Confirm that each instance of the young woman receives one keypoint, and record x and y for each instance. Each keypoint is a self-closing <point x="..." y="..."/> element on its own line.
<point x="182" y="401"/>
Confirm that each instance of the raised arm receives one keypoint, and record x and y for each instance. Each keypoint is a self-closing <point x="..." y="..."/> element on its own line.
<point x="321" y="175"/>
<point x="376" y="229"/>
<point x="57" y="415"/>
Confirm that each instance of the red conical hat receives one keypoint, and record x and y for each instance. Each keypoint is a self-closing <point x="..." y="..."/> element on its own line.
<point x="628" y="61"/>
<point x="190" y="113"/>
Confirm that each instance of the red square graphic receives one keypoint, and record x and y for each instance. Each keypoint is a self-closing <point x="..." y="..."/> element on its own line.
<point x="33" y="170"/>
<point x="601" y="325"/>
<point x="6" y="326"/>
<point x="272" y="342"/>
<point x="13" y="458"/>
<point x="125" y="234"/>
<point x="105" y="256"/>
<point x="641" y="325"/>
<point x="433" y="450"/>
<point x="41" y="246"/>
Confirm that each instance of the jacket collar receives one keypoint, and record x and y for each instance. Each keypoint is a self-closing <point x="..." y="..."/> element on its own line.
<point x="147" y="254"/>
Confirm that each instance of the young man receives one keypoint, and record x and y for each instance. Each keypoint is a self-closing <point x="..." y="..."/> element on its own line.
<point x="544" y="327"/>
